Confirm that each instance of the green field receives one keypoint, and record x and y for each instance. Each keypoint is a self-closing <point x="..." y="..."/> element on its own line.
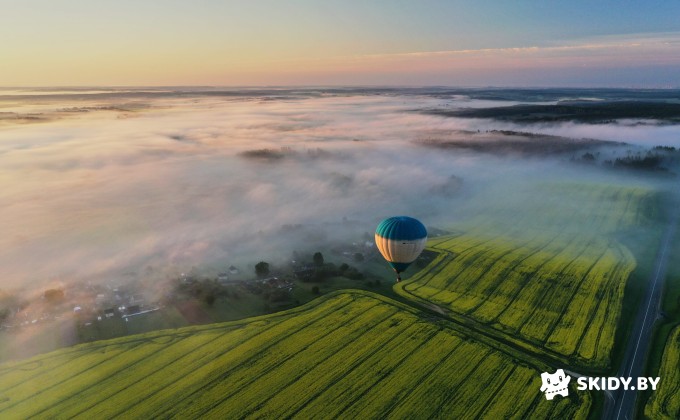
<point x="546" y="276"/>
<point x="664" y="403"/>
<point x="553" y="276"/>
<point x="350" y="354"/>
<point x="666" y="343"/>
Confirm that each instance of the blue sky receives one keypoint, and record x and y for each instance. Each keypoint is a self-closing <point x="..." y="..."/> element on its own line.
<point x="127" y="42"/>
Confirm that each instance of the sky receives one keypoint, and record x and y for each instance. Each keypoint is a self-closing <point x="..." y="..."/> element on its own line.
<point x="306" y="42"/>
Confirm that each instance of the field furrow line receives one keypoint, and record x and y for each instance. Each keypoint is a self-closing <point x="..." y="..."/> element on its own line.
<point x="350" y="379"/>
<point x="549" y="289"/>
<point x="75" y="383"/>
<point x="451" y="392"/>
<point x="211" y="386"/>
<point x="316" y="351"/>
<point x="377" y="344"/>
<point x="183" y="393"/>
<point x="383" y="375"/>
<point x="608" y="288"/>
<point x="501" y="277"/>
<point x="421" y="379"/>
<point x="124" y="386"/>
<point x="528" y="278"/>
<point x="479" y="272"/>
<point x="573" y="295"/>
<point x="493" y="394"/>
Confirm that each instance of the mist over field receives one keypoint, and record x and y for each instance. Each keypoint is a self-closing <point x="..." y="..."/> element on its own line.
<point x="104" y="184"/>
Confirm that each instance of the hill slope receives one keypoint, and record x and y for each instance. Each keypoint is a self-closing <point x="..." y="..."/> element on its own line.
<point x="352" y="353"/>
<point x="554" y="277"/>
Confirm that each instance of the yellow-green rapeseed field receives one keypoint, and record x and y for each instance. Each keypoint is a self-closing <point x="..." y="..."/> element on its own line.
<point x="351" y="354"/>
<point x="553" y="277"/>
<point x="665" y="401"/>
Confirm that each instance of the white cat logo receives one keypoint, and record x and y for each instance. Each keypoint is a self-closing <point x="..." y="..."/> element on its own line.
<point x="555" y="384"/>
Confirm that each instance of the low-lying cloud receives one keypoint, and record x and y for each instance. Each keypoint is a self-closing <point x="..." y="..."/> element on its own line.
<point x="209" y="181"/>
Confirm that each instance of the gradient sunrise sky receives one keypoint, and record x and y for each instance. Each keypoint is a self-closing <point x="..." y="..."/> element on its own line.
<point x="309" y="42"/>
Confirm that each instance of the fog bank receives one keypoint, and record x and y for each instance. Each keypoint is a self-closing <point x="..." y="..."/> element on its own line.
<point x="98" y="188"/>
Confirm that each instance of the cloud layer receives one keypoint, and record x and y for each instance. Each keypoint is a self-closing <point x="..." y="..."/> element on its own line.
<point x="115" y="189"/>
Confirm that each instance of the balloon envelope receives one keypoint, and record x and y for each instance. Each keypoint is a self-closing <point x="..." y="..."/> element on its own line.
<point x="400" y="240"/>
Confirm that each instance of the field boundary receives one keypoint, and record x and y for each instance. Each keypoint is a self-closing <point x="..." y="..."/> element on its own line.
<point x="546" y="356"/>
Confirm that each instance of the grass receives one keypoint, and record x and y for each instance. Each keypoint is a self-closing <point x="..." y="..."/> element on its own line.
<point x="378" y="279"/>
<point x="554" y="277"/>
<point x="545" y="281"/>
<point x="666" y="327"/>
<point x="347" y="354"/>
<point x="35" y="339"/>
<point x="664" y="403"/>
<point x="166" y="317"/>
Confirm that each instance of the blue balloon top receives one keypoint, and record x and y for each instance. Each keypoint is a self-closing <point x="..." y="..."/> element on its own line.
<point x="401" y="228"/>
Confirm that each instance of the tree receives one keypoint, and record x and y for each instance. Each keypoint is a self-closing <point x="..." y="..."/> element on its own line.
<point x="354" y="274"/>
<point x="279" y="296"/>
<point x="210" y="299"/>
<point x="318" y="259"/>
<point x="319" y="275"/>
<point x="315" y="290"/>
<point x="262" y="269"/>
<point x="54" y="295"/>
<point x="588" y="157"/>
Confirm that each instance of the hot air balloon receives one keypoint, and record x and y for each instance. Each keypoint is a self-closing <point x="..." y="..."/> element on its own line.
<point x="400" y="240"/>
